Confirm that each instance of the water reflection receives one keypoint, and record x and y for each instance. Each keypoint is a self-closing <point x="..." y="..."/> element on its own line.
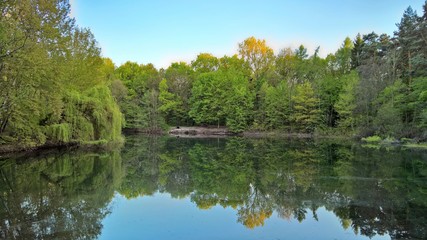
<point x="67" y="194"/>
<point x="61" y="195"/>
<point x="372" y="191"/>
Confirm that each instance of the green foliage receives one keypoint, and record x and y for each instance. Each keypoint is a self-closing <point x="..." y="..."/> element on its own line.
<point x="93" y="115"/>
<point x="388" y="121"/>
<point x="54" y="82"/>
<point x="372" y="139"/>
<point x="354" y="91"/>
<point x="57" y="88"/>
<point x="258" y="56"/>
<point x="238" y="103"/>
<point x="136" y="91"/>
<point x="305" y="108"/>
<point x="221" y="97"/>
<point x="205" y="62"/>
<point x="170" y="103"/>
<point x="234" y="63"/>
<point x="343" y="56"/>
<point x="346" y="103"/>
<point x="301" y="52"/>
<point x="208" y="98"/>
<point x="330" y="88"/>
<point x="419" y="103"/>
<point x="356" y="52"/>
<point x="60" y="133"/>
<point x="277" y="106"/>
<point x="179" y="78"/>
<point x="154" y="120"/>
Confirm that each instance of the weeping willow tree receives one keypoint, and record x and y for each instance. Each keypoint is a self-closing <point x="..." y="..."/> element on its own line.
<point x="54" y="86"/>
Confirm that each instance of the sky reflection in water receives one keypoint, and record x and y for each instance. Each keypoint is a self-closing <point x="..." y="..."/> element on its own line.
<point x="234" y="188"/>
<point x="162" y="217"/>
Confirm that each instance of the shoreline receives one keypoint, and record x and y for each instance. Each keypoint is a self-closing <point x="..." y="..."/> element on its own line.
<point x="192" y="132"/>
<point x="25" y="149"/>
<point x="200" y="132"/>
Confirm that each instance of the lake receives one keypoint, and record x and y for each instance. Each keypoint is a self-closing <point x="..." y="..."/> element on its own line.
<point x="228" y="188"/>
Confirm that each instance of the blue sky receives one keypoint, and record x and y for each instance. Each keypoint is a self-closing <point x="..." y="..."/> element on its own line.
<point x="161" y="32"/>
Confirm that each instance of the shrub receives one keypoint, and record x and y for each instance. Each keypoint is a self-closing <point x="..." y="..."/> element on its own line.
<point x="372" y="139"/>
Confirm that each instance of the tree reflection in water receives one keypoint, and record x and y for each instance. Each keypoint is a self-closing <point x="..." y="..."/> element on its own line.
<point x="64" y="195"/>
<point x="372" y="191"/>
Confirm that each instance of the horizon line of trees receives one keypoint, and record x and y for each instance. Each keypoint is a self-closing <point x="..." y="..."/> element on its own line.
<point x="374" y="84"/>
<point x="56" y="88"/>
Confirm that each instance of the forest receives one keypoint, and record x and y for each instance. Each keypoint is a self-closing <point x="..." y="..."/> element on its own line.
<point x="54" y="82"/>
<point x="57" y="88"/>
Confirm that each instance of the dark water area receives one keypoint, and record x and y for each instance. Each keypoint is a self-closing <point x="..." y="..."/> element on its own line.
<point x="229" y="188"/>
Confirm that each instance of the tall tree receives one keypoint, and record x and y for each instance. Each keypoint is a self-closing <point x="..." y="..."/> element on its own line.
<point x="346" y="103"/>
<point x="239" y="102"/>
<point x="356" y="52"/>
<point x="343" y="56"/>
<point x="407" y="37"/>
<point x="260" y="59"/>
<point x="305" y="108"/>
<point x="170" y="104"/>
<point x="180" y="77"/>
<point x="286" y="63"/>
<point x="301" y="52"/>
<point x="209" y="98"/>
<point x="277" y="106"/>
<point x="258" y="55"/>
<point x="205" y="62"/>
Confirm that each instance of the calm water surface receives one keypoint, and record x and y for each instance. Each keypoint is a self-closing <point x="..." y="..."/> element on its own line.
<point x="234" y="188"/>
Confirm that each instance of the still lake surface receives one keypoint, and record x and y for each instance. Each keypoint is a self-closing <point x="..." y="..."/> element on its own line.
<point x="229" y="188"/>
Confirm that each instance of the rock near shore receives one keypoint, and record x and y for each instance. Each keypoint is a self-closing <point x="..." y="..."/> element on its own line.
<point x="200" y="131"/>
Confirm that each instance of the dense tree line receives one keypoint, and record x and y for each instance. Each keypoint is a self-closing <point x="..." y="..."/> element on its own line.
<point x="54" y="86"/>
<point x="374" y="84"/>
